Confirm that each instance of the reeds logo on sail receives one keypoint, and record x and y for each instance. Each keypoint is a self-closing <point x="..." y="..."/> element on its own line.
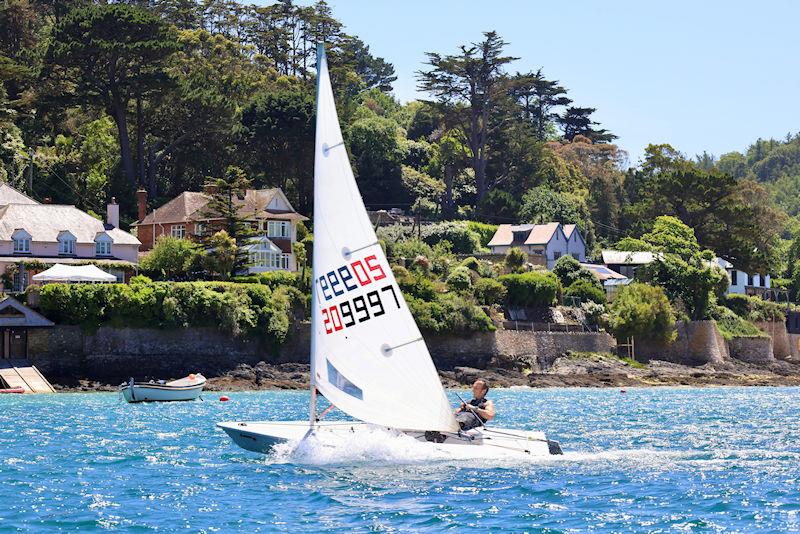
<point x="351" y="277"/>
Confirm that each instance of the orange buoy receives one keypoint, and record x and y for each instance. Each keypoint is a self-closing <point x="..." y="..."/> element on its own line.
<point x="191" y="376"/>
<point x="224" y="398"/>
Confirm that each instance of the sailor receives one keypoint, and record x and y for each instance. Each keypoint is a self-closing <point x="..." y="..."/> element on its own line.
<point x="477" y="411"/>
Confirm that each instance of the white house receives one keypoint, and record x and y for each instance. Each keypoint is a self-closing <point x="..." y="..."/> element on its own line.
<point x="742" y="283"/>
<point x="547" y="241"/>
<point x="576" y="246"/>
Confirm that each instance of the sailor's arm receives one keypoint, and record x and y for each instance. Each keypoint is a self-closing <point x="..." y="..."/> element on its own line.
<point x="487" y="412"/>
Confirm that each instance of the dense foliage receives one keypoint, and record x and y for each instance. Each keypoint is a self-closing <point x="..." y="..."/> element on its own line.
<point x="532" y="289"/>
<point x="641" y="310"/>
<point x="240" y="309"/>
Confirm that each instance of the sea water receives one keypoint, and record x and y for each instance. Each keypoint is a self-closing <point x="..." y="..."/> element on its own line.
<point x="658" y="459"/>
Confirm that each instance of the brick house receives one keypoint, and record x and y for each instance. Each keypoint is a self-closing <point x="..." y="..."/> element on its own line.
<point x="267" y="210"/>
<point x="55" y="233"/>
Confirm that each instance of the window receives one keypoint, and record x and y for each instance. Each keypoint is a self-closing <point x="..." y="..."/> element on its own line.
<point x="178" y="230"/>
<point x="102" y="245"/>
<point x="265" y="259"/>
<point x="22" y="245"/>
<point x="66" y="244"/>
<point x="749" y="279"/>
<point x="199" y="228"/>
<point x="734" y="277"/>
<point x="556" y="254"/>
<point x="22" y="242"/>
<point x="576" y="256"/>
<point x="278" y="229"/>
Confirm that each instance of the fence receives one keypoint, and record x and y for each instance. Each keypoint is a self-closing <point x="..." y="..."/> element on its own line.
<point x="547" y="327"/>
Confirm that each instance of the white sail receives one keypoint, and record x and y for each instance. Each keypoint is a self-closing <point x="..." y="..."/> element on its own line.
<point x="368" y="356"/>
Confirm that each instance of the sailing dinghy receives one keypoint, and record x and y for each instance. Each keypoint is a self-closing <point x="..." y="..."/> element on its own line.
<point x="368" y="357"/>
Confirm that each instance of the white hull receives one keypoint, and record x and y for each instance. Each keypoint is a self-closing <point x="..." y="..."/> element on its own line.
<point x="180" y="390"/>
<point x="261" y="437"/>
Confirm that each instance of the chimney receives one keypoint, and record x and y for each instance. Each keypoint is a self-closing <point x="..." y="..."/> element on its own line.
<point x="112" y="213"/>
<point x="141" y="204"/>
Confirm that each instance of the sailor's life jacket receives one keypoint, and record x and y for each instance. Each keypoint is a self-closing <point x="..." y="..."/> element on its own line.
<point x="478" y="404"/>
<point x="467" y="419"/>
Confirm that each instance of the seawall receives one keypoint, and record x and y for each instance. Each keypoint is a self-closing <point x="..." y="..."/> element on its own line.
<point x="108" y="354"/>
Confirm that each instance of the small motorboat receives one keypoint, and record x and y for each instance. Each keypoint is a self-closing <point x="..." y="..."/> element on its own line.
<point x="185" y="389"/>
<point x="13" y="390"/>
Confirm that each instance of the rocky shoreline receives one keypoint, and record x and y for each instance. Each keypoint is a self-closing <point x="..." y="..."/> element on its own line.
<point x="584" y="370"/>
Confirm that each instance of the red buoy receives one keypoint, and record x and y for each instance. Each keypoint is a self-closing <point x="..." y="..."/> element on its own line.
<point x="224" y="398"/>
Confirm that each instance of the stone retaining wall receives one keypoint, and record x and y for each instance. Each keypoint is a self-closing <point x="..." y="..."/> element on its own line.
<point x="781" y="345"/>
<point x="697" y="343"/>
<point x="114" y="354"/>
<point x="752" y="349"/>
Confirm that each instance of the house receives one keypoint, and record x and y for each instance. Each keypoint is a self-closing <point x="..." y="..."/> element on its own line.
<point x="743" y="283"/>
<point x="268" y="210"/>
<point x="625" y="262"/>
<point x="576" y="246"/>
<point x="54" y="233"/>
<point x="547" y="242"/>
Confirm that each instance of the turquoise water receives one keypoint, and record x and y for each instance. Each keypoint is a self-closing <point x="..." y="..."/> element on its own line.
<point x="646" y="460"/>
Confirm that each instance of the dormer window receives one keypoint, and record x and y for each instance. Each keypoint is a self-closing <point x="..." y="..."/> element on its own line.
<point x="102" y="245"/>
<point x="66" y="243"/>
<point x="22" y="242"/>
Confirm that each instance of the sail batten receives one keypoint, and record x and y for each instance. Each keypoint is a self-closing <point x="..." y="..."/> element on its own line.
<point x="368" y="356"/>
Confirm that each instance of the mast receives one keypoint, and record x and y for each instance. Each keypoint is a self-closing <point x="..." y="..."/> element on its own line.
<point x="312" y="415"/>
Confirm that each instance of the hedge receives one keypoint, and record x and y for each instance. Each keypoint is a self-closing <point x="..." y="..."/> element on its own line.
<point x="240" y="309"/>
<point x="532" y="289"/>
<point x="754" y="308"/>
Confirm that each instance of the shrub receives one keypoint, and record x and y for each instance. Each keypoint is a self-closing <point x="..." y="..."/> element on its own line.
<point x="448" y="313"/>
<point x="458" y="234"/>
<point x="489" y="291"/>
<point x="459" y="279"/>
<point x="753" y="308"/>
<point x="472" y="264"/>
<point x="586" y="291"/>
<point x="641" y="310"/>
<point x="531" y="289"/>
<point x="732" y="325"/>
<point x="485" y="231"/>
<point x="515" y="260"/>
<point x="171" y="258"/>
<point x="569" y="270"/>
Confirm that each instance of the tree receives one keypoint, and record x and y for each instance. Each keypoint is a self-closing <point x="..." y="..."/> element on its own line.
<point x="171" y="258"/>
<point x="222" y="255"/>
<point x="542" y="205"/>
<point x="734" y="218"/>
<point x="278" y="128"/>
<point x="577" y="121"/>
<point x="690" y="283"/>
<point x="568" y="270"/>
<point x="640" y="310"/>
<point x="469" y="88"/>
<point x="224" y="206"/>
<point x="113" y="54"/>
<point x="377" y="156"/>
<point x="376" y="72"/>
<point x="537" y="97"/>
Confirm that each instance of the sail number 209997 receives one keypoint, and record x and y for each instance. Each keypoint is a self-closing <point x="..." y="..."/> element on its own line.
<point x="361" y="308"/>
